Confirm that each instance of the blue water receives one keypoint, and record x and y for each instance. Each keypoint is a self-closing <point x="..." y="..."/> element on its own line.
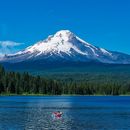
<point x="80" y="113"/>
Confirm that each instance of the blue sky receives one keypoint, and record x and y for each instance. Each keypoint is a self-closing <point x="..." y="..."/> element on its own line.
<point x="104" y="23"/>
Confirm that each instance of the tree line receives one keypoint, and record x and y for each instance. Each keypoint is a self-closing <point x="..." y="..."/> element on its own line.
<point x="21" y="83"/>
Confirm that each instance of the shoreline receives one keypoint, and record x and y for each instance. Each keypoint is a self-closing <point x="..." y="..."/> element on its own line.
<point x="58" y="95"/>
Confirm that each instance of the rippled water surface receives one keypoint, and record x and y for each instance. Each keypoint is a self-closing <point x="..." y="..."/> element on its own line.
<point x="80" y="113"/>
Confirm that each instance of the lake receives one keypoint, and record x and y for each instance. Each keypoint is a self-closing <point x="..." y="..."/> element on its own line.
<point x="79" y="112"/>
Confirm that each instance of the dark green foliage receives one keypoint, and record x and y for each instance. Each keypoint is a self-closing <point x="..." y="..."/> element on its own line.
<point x="82" y="84"/>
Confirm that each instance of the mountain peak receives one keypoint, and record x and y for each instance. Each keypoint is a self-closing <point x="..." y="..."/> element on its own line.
<point x="65" y="45"/>
<point x="64" y="35"/>
<point x="63" y="32"/>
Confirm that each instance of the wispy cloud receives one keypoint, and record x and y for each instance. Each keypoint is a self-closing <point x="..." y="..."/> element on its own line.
<point x="9" y="47"/>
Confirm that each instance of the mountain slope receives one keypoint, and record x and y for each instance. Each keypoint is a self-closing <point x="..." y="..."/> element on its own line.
<point x="65" y="46"/>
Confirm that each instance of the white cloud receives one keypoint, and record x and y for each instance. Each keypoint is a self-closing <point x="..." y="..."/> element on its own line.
<point x="9" y="47"/>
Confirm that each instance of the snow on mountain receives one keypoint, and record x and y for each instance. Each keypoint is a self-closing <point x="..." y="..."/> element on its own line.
<point x="66" y="46"/>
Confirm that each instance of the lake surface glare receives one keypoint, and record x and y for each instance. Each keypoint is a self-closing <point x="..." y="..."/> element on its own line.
<point x="79" y="112"/>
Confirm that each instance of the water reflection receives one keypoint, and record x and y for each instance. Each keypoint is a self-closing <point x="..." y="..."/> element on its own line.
<point x="39" y="114"/>
<point x="80" y="113"/>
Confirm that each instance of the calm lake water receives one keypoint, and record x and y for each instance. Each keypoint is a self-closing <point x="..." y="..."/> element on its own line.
<point x="80" y="112"/>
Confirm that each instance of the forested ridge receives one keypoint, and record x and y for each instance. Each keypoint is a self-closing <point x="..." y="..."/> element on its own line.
<point x="25" y="83"/>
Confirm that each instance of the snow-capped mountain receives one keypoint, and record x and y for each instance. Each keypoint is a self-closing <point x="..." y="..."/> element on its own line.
<point x="66" y="46"/>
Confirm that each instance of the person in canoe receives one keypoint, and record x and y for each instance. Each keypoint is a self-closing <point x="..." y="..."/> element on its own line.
<point x="57" y="115"/>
